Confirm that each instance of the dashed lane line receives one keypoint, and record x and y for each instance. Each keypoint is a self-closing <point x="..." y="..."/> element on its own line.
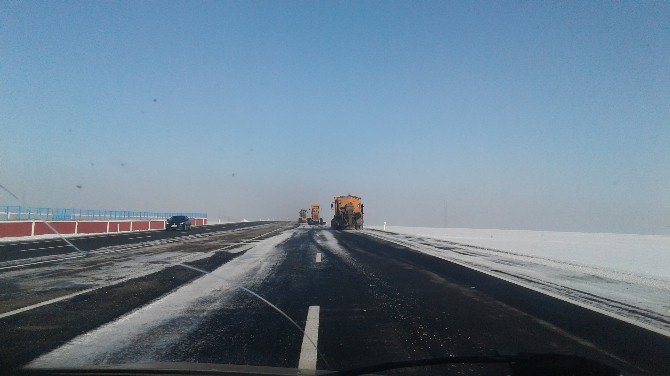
<point x="55" y="300"/>
<point x="41" y="248"/>
<point x="318" y="257"/>
<point x="110" y="234"/>
<point x="47" y="302"/>
<point x="106" y="250"/>
<point x="308" y="351"/>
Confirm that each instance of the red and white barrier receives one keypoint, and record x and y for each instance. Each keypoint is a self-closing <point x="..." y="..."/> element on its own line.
<point x="33" y="228"/>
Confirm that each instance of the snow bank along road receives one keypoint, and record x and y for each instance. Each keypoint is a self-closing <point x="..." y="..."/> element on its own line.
<point x="625" y="292"/>
<point x="360" y="298"/>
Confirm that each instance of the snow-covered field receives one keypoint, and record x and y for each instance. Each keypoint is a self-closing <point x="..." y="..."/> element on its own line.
<point x="642" y="254"/>
<point x="622" y="275"/>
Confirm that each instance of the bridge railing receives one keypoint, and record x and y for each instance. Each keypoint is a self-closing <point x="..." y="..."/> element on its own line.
<point x="24" y="213"/>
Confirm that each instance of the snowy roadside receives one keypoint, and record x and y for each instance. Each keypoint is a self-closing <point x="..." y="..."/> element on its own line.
<point x="639" y="254"/>
<point x="627" y="292"/>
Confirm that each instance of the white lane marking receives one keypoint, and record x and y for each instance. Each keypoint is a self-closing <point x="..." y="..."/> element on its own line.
<point x="139" y="237"/>
<point x="318" y="257"/>
<point x="40" y="248"/>
<point x="28" y="308"/>
<point x="93" y="236"/>
<point x="135" y="246"/>
<point x="308" y="352"/>
<point x="78" y="255"/>
<point x="47" y="302"/>
<point x="481" y="269"/>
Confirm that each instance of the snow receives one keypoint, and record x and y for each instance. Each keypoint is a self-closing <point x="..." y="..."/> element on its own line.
<point x="103" y="267"/>
<point x="327" y="240"/>
<point x="641" y="254"/>
<point x="161" y="323"/>
<point x="108" y="265"/>
<point x="621" y="275"/>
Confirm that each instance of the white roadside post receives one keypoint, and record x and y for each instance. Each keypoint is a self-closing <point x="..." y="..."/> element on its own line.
<point x="384" y="226"/>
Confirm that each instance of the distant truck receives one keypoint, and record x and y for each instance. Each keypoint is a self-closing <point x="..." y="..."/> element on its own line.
<point x="348" y="213"/>
<point x="302" y="216"/>
<point x="315" y="218"/>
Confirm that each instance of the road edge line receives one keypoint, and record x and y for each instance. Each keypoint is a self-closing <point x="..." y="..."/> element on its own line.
<point x="604" y="312"/>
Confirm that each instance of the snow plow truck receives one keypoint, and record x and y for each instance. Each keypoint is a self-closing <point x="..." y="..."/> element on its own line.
<point x="315" y="216"/>
<point x="348" y="213"/>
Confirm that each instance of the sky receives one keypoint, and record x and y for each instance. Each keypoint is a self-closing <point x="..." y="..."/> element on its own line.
<point x="509" y="115"/>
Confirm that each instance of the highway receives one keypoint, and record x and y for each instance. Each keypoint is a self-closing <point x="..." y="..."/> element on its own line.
<point x="361" y="300"/>
<point x="26" y="249"/>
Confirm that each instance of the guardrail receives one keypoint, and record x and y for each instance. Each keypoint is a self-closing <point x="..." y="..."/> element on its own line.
<point x="32" y="228"/>
<point x="23" y="213"/>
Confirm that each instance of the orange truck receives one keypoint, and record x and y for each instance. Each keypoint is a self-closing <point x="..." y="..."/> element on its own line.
<point x="315" y="218"/>
<point x="348" y="213"/>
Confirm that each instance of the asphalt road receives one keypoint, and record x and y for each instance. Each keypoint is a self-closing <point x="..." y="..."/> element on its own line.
<point x="26" y="249"/>
<point x="377" y="302"/>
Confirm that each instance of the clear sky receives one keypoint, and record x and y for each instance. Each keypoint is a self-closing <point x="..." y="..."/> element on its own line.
<point x="513" y="115"/>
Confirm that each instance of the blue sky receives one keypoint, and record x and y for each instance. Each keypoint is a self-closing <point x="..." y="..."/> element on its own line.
<point x="516" y="114"/>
